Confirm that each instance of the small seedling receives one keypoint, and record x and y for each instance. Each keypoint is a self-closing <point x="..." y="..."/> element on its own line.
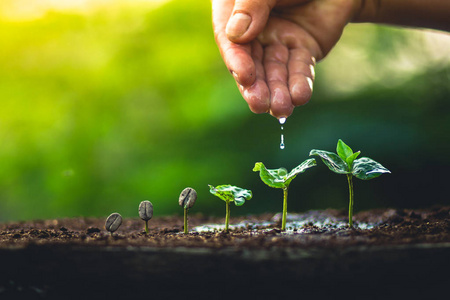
<point x="229" y="193"/>
<point x="146" y="212"/>
<point x="345" y="162"/>
<point x="113" y="222"/>
<point x="280" y="178"/>
<point x="187" y="199"/>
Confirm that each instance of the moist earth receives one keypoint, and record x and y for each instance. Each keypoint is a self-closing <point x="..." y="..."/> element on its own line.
<point x="390" y="253"/>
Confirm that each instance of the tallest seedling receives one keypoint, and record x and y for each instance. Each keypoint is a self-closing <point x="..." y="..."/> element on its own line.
<point x="345" y="162"/>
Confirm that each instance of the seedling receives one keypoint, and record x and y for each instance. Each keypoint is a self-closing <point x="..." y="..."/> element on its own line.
<point x="345" y="162"/>
<point x="187" y="199"/>
<point x="113" y="222"/>
<point x="146" y="212"/>
<point x="280" y="178"/>
<point x="229" y="193"/>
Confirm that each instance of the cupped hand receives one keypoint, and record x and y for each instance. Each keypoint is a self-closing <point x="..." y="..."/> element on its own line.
<point x="271" y="46"/>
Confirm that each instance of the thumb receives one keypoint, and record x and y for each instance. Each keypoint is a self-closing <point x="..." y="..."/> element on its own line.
<point x="248" y="19"/>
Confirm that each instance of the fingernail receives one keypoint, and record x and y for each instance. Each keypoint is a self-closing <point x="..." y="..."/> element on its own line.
<point x="238" y="25"/>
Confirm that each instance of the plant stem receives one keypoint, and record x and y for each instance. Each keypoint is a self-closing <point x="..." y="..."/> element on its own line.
<point x="283" y="221"/>
<point x="227" y="215"/>
<point x="350" y="205"/>
<point x="146" y="227"/>
<point x="186" y="221"/>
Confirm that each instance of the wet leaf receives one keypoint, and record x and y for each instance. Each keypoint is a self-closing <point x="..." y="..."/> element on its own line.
<point x="230" y="193"/>
<point x="274" y="177"/>
<point x="309" y="163"/>
<point x="332" y="161"/>
<point x="366" y="168"/>
<point x="279" y="178"/>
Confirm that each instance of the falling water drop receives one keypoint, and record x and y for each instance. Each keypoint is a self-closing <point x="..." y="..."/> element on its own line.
<point x="282" y="142"/>
<point x="282" y="121"/>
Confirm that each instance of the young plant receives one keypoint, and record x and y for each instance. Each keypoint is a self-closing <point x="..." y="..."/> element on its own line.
<point x="113" y="222"/>
<point x="146" y="212"/>
<point x="345" y="162"/>
<point x="187" y="199"/>
<point x="229" y="193"/>
<point x="280" y="178"/>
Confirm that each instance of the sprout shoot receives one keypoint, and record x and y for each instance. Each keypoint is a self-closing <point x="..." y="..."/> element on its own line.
<point x="146" y="212"/>
<point x="187" y="199"/>
<point x="280" y="178"/>
<point x="229" y="193"/>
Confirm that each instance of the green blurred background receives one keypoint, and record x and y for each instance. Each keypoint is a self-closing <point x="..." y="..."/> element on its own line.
<point x="108" y="103"/>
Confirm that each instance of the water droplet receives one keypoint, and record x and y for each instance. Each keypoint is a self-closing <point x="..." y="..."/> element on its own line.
<point x="282" y="142"/>
<point x="282" y="121"/>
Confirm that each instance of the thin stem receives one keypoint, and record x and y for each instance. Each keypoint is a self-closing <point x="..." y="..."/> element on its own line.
<point x="350" y="205"/>
<point x="227" y="216"/>
<point x="283" y="221"/>
<point x="146" y="227"/>
<point x="186" y="221"/>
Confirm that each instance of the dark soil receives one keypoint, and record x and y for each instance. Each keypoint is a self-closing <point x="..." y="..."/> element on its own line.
<point x="389" y="254"/>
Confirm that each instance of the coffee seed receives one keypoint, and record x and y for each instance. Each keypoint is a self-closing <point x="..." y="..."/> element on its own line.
<point x="187" y="198"/>
<point x="113" y="222"/>
<point x="146" y="210"/>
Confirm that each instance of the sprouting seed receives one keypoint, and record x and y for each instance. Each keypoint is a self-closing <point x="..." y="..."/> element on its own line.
<point x="113" y="222"/>
<point x="187" y="199"/>
<point x="146" y="212"/>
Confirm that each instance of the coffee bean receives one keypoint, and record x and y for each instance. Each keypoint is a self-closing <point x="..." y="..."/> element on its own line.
<point x="113" y="222"/>
<point x="146" y="210"/>
<point x="187" y="198"/>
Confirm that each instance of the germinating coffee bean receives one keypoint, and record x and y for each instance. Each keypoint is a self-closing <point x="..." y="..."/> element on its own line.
<point x="113" y="222"/>
<point x="146" y="210"/>
<point x="187" y="198"/>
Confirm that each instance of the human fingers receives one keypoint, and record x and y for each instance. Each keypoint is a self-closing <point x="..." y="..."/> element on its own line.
<point x="276" y="58"/>
<point x="301" y="75"/>
<point x="257" y="95"/>
<point x="248" y="19"/>
<point x="237" y="57"/>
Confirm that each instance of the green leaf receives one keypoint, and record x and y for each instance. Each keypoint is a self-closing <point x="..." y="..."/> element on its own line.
<point x="232" y="193"/>
<point x="274" y="178"/>
<point x="279" y="178"/>
<point x="366" y="168"/>
<point x="343" y="150"/>
<point x="332" y="161"/>
<point x="239" y="201"/>
<point x="309" y="163"/>
<point x="351" y="158"/>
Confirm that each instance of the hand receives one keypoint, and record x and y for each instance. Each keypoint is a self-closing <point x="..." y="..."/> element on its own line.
<point x="271" y="46"/>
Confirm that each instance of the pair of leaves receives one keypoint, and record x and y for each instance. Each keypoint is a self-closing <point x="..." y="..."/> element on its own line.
<point x="230" y="193"/>
<point x="280" y="178"/>
<point x="345" y="162"/>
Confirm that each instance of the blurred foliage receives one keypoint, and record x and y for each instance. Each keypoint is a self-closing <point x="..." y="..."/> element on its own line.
<point x="104" y="108"/>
